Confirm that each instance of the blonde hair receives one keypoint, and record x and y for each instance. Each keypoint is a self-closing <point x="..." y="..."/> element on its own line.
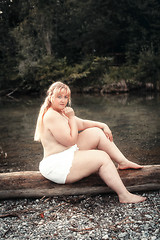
<point x="53" y="91"/>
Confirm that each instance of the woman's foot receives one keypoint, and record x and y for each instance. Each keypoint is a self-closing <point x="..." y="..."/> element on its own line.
<point x="131" y="198"/>
<point x="128" y="164"/>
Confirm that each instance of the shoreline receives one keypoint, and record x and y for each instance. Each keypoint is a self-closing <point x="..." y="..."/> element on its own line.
<point x="113" y="88"/>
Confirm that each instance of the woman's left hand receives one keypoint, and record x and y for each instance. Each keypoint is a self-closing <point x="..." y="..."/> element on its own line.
<point x="108" y="133"/>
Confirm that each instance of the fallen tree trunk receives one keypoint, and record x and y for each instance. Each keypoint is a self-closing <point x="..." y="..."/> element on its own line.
<point x="33" y="184"/>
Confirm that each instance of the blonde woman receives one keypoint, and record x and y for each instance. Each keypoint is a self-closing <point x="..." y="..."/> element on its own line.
<point x="74" y="148"/>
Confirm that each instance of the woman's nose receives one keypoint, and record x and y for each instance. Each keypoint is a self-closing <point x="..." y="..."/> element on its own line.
<point x="62" y="99"/>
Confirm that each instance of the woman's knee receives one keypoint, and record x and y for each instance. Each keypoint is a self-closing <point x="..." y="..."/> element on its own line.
<point x="89" y="138"/>
<point x="97" y="134"/>
<point x="97" y="131"/>
<point x="94" y="131"/>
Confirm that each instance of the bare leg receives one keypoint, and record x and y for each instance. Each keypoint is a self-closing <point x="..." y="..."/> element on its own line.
<point x="88" y="162"/>
<point x="94" y="138"/>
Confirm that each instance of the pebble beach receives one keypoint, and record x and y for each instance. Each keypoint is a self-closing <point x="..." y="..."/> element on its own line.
<point x="97" y="217"/>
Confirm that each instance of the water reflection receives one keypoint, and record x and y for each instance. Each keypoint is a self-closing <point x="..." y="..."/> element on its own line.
<point x="134" y="121"/>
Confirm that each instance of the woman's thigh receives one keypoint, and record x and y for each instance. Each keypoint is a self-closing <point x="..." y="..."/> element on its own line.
<point x="85" y="163"/>
<point x="89" y="138"/>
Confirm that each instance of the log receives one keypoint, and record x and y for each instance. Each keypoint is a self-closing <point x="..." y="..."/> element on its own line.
<point x="32" y="184"/>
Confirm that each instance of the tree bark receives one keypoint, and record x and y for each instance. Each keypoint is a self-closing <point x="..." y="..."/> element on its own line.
<point x="33" y="184"/>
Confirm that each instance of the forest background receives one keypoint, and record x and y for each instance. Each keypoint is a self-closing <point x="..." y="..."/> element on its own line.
<point x="102" y="46"/>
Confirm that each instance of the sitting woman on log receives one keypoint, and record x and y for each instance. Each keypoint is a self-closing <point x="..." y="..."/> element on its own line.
<point x="75" y="148"/>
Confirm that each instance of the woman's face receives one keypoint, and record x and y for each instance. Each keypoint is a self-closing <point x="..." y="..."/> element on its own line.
<point x="60" y="100"/>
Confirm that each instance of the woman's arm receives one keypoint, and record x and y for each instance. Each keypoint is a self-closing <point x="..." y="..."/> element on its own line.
<point x="69" y="113"/>
<point x="84" y="124"/>
<point x="64" y="131"/>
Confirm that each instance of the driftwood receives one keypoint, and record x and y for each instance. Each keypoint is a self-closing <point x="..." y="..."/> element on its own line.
<point x="33" y="184"/>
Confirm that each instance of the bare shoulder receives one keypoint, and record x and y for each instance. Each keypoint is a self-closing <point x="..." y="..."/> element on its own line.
<point x="51" y="115"/>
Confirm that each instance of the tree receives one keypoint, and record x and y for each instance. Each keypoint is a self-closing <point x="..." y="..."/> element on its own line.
<point x="8" y="71"/>
<point x="37" y="32"/>
<point x="144" y="28"/>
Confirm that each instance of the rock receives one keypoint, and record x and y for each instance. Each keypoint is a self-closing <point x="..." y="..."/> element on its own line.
<point x="98" y="217"/>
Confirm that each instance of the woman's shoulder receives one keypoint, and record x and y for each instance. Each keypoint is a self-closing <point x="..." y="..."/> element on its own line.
<point x="50" y="114"/>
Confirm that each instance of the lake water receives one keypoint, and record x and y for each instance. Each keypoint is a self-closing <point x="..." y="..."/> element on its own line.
<point x="134" y="121"/>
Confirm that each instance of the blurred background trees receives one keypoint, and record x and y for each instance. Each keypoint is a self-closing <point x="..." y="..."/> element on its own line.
<point x="83" y="43"/>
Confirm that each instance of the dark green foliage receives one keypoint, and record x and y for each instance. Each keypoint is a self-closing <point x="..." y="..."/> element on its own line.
<point x="8" y="72"/>
<point x="144" y="28"/>
<point x="76" y="41"/>
<point x="87" y="73"/>
<point x="148" y="69"/>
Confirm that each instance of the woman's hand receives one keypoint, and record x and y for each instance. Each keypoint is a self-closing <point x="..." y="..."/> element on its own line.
<point x="108" y="133"/>
<point x="69" y="112"/>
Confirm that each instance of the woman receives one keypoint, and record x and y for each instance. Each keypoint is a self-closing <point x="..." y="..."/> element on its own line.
<point x="75" y="148"/>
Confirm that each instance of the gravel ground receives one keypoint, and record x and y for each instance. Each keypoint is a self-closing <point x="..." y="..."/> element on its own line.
<point x="80" y="217"/>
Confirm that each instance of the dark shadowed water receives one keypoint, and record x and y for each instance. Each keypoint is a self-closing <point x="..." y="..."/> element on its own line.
<point x="134" y="121"/>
